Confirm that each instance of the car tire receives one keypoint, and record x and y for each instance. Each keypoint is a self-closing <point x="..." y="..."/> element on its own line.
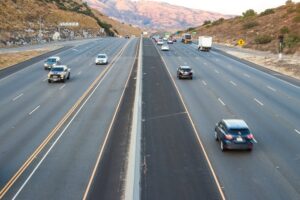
<point x="191" y="78"/>
<point x="63" y="80"/>
<point x="216" y="136"/>
<point x="222" y="146"/>
<point x="49" y="81"/>
<point x="69" y="76"/>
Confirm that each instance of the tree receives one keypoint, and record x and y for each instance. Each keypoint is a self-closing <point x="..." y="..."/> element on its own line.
<point x="249" y="13"/>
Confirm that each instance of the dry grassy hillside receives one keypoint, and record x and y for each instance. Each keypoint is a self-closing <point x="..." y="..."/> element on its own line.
<point x="260" y="31"/>
<point x="23" y="19"/>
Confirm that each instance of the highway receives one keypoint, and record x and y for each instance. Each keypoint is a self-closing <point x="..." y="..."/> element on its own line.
<point x="226" y="88"/>
<point x="71" y="140"/>
<point x="32" y="109"/>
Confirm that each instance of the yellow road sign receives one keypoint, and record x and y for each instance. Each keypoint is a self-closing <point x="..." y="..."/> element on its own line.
<point x="241" y="42"/>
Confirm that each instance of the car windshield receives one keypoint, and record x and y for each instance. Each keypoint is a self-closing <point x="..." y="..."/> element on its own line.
<point x="239" y="131"/>
<point x="51" y="60"/>
<point x="57" y="69"/>
<point x="188" y="37"/>
<point x="101" y="56"/>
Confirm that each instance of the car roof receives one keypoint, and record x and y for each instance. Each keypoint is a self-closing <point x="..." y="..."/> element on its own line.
<point x="54" y="57"/>
<point x="102" y="54"/>
<point x="235" y="123"/>
<point x="185" y="67"/>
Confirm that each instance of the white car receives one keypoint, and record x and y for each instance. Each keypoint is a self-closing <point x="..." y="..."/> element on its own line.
<point x="165" y="47"/>
<point x="51" y="61"/>
<point x="101" y="59"/>
<point x="160" y="42"/>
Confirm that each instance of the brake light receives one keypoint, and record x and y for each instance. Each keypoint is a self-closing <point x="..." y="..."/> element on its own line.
<point x="250" y="136"/>
<point x="228" y="137"/>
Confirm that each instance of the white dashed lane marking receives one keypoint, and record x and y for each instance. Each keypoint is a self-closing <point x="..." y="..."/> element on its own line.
<point x="220" y="100"/>
<point x="297" y="131"/>
<point x="204" y="83"/>
<point x="62" y="86"/>
<point x="259" y="102"/>
<point x="246" y="75"/>
<point x="34" y="110"/>
<point x="233" y="83"/>
<point x="17" y="97"/>
<point x="269" y="87"/>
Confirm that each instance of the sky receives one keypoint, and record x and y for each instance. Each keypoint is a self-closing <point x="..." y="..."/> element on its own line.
<point x="235" y="7"/>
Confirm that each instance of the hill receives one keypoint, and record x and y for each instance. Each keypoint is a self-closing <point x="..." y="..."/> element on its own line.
<point x="30" y="21"/>
<point x="153" y="15"/>
<point x="259" y="31"/>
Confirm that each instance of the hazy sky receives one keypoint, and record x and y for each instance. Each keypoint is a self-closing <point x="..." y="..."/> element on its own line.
<point x="236" y="7"/>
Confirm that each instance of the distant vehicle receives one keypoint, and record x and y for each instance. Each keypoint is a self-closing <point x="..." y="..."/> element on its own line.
<point x="186" y="38"/>
<point x="184" y="72"/>
<point x="101" y="59"/>
<point x="126" y="36"/>
<point x="165" y="39"/>
<point x="160" y="42"/>
<point x="204" y="43"/>
<point x="233" y="134"/>
<point x="170" y="41"/>
<point x="174" y="40"/>
<point x="59" y="73"/>
<point x="165" y="47"/>
<point x="51" y="61"/>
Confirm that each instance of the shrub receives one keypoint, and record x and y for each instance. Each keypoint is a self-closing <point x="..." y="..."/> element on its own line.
<point x="296" y="19"/>
<point x="249" y="13"/>
<point x="284" y="30"/>
<point x="263" y="39"/>
<point x="267" y="12"/>
<point x="292" y="40"/>
<point x="206" y="22"/>
<point x="250" y="25"/>
<point x="217" y="22"/>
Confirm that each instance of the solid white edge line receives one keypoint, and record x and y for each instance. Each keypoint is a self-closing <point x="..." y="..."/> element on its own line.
<point x="297" y="131"/>
<point x="196" y="133"/>
<point x="220" y="100"/>
<point x="17" y="97"/>
<point x="260" y="103"/>
<point x="132" y="189"/>
<point x="63" y="131"/>
<point x="34" y="110"/>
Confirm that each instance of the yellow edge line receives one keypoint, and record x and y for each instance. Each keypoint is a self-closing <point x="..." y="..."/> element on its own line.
<point x="9" y="184"/>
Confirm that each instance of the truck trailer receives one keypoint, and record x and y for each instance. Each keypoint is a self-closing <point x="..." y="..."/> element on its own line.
<point x="204" y="43"/>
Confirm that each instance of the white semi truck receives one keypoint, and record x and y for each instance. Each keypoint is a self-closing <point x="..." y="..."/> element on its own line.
<point x="204" y="43"/>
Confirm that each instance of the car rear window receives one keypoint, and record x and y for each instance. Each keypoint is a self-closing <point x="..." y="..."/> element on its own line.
<point x="57" y="69"/>
<point x="239" y="131"/>
<point x="101" y="56"/>
<point x="186" y="70"/>
<point x="51" y="60"/>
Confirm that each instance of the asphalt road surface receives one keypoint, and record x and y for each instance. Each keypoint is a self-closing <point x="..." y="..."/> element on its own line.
<point x="70" y="140"/>
<point x="226" y="88"/>
<point x="31" y="109"/>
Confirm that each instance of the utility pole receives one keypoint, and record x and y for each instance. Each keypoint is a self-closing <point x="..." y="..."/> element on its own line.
<point x="280" y="38"/>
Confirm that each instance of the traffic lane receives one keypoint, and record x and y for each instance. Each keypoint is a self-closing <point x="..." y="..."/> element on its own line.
<point x="84" y="67"/>
<point x="286" y="107"/>
<point x="109" y="180"/>
<point x="74" y="156"/>
<point x="174" y="167"/>
<point x="259" y="165"/>
<point x="258" y="74"/>
<point x="27" y="131"/>
<point x="42" y="94"/>
<point x="15" y="82"/>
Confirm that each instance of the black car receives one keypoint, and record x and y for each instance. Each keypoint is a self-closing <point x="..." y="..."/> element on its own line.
<point x="184" y="72"/>
<point x="233" y="134"/>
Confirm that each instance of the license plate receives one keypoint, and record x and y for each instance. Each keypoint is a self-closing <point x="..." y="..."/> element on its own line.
<point x="239" y="139"/>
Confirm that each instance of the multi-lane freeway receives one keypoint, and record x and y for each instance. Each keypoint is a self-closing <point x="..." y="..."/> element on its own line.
<point x="72" y="140"/>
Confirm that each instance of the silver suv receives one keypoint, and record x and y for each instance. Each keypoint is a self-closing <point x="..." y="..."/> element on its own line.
<point x="59" y="73"/>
